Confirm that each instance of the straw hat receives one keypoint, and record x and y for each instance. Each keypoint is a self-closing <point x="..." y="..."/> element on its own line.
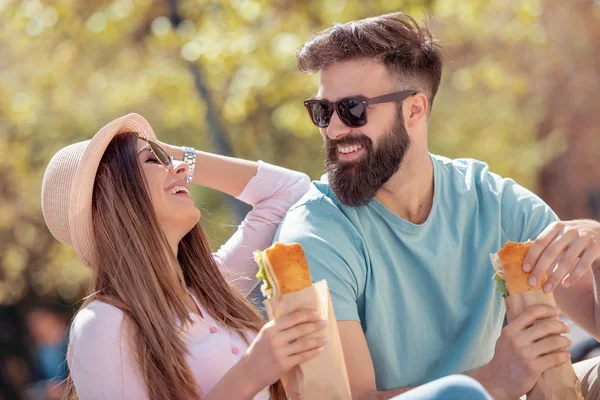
<point x="69" y="182"/>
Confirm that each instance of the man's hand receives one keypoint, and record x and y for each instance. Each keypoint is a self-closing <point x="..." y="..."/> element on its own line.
<point x="571" y="246"/>
<point x="523" y="351"/>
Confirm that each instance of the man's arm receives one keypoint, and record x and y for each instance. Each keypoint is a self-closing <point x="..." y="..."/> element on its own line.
<point x="570" y="246"/>
<point x="523" y="352"/>
<point x="580" y="302"/>
<point x="569" y="253"/>
<point x="361" y="373"/>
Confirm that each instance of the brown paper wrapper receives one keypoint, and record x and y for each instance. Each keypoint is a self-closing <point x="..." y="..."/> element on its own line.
<point x="324" y="377"/>
<point x="556" y="383"/>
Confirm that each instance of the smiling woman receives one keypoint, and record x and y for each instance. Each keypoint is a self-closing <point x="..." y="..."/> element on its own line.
<point x="168" y="186"/>
<point x="167" y="322"/>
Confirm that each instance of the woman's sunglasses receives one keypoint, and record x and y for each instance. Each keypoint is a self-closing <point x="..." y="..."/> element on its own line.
<point x="352" y="111"/>
<point x="160" y="153"/>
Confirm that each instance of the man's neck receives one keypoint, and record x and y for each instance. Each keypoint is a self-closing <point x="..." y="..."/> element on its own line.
<point x="409" y="192"/>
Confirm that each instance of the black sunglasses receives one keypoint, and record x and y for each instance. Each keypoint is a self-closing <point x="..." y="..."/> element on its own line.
<point x="352" y="110"/>
<point x="160" y="153"/>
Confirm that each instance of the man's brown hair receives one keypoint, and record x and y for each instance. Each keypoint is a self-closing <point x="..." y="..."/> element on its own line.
<point x="409" y="51"/>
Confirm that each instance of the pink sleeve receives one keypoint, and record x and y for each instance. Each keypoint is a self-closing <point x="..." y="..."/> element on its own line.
<point x="101" y="362"/>
<point x="271" y="193"/>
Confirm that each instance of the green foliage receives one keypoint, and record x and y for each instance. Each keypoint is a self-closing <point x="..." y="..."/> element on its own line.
<point x="68" y="67"/>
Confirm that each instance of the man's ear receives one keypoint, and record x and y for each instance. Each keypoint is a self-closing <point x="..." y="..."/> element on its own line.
<point x="415" y="108"/>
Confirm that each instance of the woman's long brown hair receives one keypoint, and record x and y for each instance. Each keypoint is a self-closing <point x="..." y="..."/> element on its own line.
<point x="134" y="274"/>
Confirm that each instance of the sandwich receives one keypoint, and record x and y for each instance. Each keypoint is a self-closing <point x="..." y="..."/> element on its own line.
<point x="556" y="383"/>
<point x="283" y="269"/>
<point x="508" y="266"/>
<point x="288" y="287"/>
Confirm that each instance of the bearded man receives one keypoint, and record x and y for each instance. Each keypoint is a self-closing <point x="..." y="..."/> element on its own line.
<point x="403" y="237"/>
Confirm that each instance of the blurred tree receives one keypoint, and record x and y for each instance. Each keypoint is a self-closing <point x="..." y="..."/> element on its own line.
<point x="68" y="67"/>
<point x="569" y="81"/>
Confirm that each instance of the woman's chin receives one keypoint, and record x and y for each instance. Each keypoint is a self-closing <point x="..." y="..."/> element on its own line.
<point x="192" y="219"/>
<point x="197" y="217"/>
<point x="182" y="223"/>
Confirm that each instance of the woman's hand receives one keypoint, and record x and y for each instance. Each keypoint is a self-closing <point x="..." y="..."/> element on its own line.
<point x="173" y="151"/>
<point x="281" y="345"/>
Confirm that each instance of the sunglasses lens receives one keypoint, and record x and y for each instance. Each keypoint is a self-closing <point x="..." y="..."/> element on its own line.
<point x="161" y="154"/>
<point x="320" y="113"/>
<point x="352" y="112"/>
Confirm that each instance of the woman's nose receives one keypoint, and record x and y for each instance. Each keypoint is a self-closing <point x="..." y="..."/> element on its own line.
<point x="180" y="167"/>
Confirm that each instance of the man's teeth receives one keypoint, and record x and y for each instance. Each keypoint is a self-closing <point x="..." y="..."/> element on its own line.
<point x="176" y="189"/>
<point x="349" y="149"/>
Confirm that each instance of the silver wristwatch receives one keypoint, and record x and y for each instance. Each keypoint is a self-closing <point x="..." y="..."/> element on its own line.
<point x="189" y="156"/>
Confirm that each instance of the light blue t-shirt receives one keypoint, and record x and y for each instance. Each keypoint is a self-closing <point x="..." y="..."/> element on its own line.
<point x="424" y="294"/>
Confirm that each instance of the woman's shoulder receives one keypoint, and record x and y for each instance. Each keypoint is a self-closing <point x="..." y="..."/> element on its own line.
<point x="96" y="320"/>
<point x="101" y="362"/>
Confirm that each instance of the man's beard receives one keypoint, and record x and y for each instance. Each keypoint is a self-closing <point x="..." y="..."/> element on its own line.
<point x="356" y="183"/>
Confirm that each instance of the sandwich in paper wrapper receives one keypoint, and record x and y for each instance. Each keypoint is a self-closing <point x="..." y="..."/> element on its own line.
<point x="288" y="287"/>
<point x="556" y="383"/>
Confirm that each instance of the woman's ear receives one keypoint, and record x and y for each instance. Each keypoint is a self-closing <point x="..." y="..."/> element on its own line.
<point x="415" y="109"/>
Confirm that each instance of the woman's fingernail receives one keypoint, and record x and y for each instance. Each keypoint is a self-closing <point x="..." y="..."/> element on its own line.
<point x="547" y="287"/>
<point x="566" y="283"/>
<point x="324" y="339"/>
<point x="532" y="281"/>
<point x="526" y="267"/>
<point x="316" y="314"/>
<point x="323" y="322"/>
<point x="320" y="348"/>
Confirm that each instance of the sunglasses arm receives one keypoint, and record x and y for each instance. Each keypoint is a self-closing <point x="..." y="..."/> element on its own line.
<point x="386" y="98"/>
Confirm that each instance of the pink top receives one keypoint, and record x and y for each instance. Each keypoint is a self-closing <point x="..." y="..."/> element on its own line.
<point x="100" y="359"/>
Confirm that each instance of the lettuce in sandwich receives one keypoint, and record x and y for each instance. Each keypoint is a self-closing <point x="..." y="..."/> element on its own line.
<point x="265" y="288"/>
<point x="499" y="275"/>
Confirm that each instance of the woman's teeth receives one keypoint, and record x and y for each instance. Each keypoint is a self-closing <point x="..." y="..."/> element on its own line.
<point x="349" y="149"/>
<point x="176" y="189"/>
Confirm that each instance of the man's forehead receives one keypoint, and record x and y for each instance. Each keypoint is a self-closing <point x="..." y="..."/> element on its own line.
<point x="352" y="78"/>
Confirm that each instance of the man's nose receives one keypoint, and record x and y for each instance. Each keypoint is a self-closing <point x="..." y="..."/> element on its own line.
<point x="336" y="129"/>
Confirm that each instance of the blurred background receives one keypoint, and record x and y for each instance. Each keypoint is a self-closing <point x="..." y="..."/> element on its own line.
<point x="520" y="90"/>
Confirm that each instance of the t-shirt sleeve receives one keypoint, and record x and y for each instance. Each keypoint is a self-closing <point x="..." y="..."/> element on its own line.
<point x="524" y="214"/>
<point x="100" y="359"/>
<point x="333" y="253"/>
